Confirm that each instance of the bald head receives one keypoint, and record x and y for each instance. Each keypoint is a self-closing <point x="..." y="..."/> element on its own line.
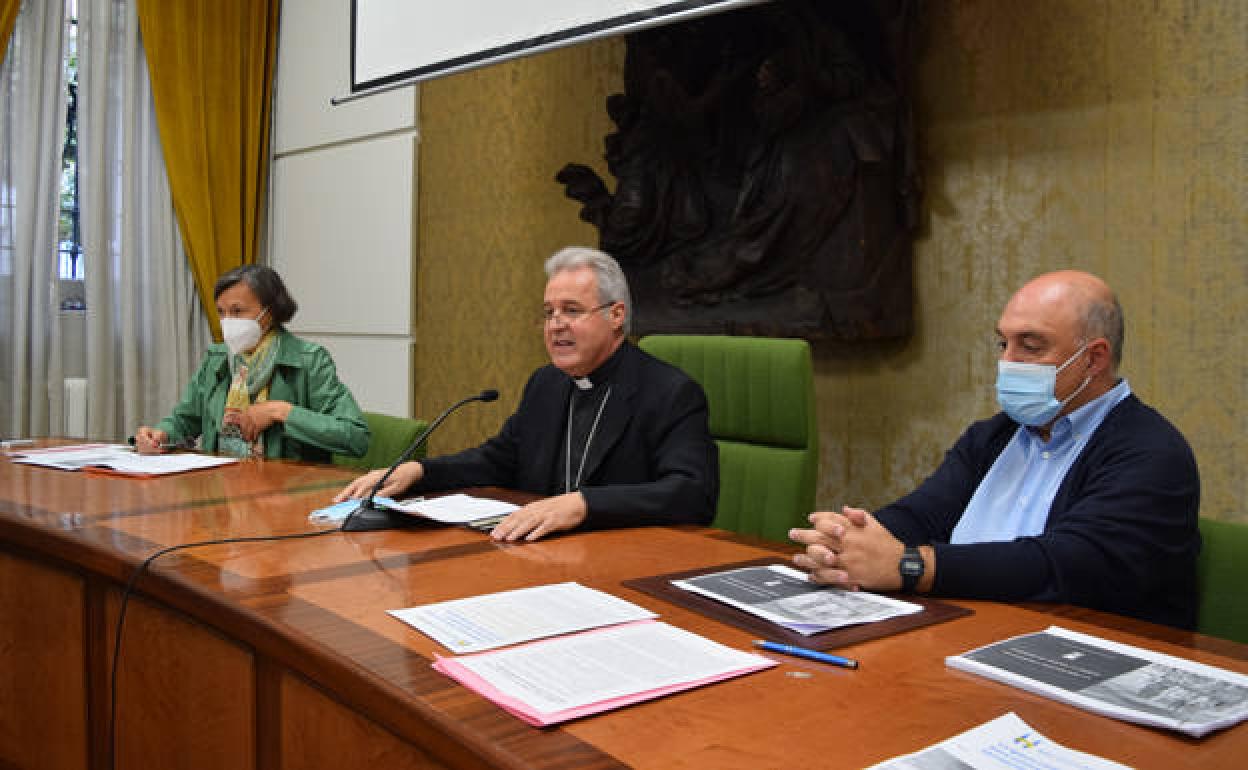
<point x="1080" y="302"/>
<point x="1069" y="320"/>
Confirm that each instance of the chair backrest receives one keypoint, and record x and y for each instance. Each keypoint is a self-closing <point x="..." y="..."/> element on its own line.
<point x="390" y="436"/>
<point x="762" y="403"/>
<point x="1222" y="577"/>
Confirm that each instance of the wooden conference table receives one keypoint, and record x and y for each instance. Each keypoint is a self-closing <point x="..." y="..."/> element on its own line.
<point x="281" y="655"/>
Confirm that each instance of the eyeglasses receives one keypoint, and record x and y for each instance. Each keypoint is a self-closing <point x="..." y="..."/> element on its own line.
<point x="570" y="314"/>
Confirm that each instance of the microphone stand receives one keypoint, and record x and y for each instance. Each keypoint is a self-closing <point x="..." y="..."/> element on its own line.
<point x="370" y="517"/>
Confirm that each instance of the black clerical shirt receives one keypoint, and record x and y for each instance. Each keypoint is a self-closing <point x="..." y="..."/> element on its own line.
<point x="586" y="402"/>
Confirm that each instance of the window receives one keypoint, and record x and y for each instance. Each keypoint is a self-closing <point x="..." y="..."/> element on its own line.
<point x="69" y="229"/>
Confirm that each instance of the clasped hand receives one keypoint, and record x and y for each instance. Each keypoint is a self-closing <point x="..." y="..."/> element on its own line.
<point x="849" y="549"/>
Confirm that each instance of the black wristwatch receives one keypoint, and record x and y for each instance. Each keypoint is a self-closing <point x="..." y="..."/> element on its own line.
<point x="911" y="568"/>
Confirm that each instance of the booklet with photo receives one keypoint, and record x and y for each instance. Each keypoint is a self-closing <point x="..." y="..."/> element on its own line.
<point x="1114" y="679"/>
<point x="787" y="598"/>
<point x="1005" y="743"/>
<point x="665" y="587"/>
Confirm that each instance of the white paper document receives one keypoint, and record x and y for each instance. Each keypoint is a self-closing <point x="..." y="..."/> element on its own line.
<point x="494" y="620"/>
<point x="572" y="676"/>
<point x="787" y="598"/>
<point x="1114" y="679"/>
<point x="118" y="459"/>
<point x="456" y="509"/>
<point x="448" y="509"/>
<point x="1005" y="743"/>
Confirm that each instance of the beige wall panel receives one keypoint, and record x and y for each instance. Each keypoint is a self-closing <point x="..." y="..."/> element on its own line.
<point x="342" y="236"/>
<point x="1108" y="135"/>
<point x="376" y="369"/>
<point x="313" y="58"/>
<point x="342" y="223"/>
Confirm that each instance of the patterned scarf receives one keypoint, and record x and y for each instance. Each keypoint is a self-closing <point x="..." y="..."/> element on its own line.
<point x="250" y="374"/>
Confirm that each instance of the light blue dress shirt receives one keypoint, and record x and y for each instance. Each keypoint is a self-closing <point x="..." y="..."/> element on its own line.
<point x="1014" y="498"/>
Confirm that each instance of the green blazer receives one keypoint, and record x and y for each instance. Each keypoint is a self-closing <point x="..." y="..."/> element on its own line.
<point x="324" y="418"/>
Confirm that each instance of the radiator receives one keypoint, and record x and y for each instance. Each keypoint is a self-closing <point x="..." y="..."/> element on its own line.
<point x="75" y="407"/>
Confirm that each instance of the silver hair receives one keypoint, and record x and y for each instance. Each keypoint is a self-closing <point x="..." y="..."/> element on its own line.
<point x="612" y="285"/>
<point x="1104" y="319"/>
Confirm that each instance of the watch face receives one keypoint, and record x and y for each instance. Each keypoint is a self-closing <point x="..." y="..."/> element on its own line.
<point x="912" y="567"/>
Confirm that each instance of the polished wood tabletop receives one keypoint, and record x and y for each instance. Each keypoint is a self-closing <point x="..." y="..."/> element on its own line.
<point x="281" y="654"/>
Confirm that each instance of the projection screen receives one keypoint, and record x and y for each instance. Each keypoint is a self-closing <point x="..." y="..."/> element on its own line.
<point x="400" y="41"/>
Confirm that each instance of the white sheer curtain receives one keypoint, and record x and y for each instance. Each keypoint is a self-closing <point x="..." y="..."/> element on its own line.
<point x="32" y="120"/>
<point x="146" y="331"/>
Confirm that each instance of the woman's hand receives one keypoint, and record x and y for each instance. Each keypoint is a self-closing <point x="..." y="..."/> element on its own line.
<point x="257" y="418"/>
<point x="149" y="441"/>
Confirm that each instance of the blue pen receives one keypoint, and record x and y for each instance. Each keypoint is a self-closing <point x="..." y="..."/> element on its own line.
<point x="802" y="652"/>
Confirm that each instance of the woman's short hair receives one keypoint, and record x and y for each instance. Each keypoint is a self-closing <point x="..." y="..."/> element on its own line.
<point x="612" y="285"/>
<point x="266" y="284"/>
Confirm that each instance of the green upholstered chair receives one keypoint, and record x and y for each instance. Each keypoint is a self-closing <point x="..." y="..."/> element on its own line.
<point x="762" y="403"/>
<point x="1222" y="576"/>
<point x="390" y="436"/>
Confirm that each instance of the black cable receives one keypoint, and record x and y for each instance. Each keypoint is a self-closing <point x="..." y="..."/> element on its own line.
<point x="125" y="600"/>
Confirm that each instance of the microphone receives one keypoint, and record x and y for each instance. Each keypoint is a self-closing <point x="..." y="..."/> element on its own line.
<point x="369" y="517"/>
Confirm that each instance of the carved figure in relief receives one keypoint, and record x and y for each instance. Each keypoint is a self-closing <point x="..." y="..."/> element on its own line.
<point x="765" y="175"/>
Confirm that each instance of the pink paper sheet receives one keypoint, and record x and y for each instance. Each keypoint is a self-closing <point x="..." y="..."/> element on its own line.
<point x="452" y="668"/>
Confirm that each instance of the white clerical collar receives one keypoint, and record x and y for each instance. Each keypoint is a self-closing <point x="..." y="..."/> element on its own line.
<point x="583" y="383"/>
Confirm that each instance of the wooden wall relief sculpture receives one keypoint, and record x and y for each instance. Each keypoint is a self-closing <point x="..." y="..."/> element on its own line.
<point x="765" y="172"/>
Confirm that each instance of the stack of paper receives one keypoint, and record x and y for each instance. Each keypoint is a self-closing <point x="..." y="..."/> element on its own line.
<point x="574" y="676"/>
<point x="117" y="459"/>
<point x="570" y="676"/>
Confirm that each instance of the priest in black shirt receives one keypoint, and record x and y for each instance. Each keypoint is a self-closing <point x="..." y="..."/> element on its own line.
<point x="611" y="435"/>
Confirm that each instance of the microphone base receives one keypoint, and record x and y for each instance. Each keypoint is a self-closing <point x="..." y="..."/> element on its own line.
<point x="368" y="518"/>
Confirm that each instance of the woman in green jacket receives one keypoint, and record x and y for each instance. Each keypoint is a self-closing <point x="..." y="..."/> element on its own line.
<point x="263" y="392"/>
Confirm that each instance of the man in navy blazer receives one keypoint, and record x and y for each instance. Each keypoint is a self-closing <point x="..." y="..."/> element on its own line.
<point x="610" y="435"/>
<point x="1076" y="492"/>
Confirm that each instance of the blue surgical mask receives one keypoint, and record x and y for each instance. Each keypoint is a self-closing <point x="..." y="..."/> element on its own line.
<point x="1027" y="392"/>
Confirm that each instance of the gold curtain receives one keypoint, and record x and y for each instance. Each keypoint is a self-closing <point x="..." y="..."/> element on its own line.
<point x="8" y="18"/>
<point x="211" y="64"/>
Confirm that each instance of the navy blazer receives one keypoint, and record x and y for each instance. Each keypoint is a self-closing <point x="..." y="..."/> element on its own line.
<point x="652" y="460"/>
<point x="1121" y="536"/>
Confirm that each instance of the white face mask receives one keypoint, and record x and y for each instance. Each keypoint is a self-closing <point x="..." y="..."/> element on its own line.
<point x="242" y="334"/>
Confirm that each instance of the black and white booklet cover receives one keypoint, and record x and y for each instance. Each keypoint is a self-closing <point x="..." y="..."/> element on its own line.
<point x="786" y="597"/>
<point x="1114" y="679"/>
